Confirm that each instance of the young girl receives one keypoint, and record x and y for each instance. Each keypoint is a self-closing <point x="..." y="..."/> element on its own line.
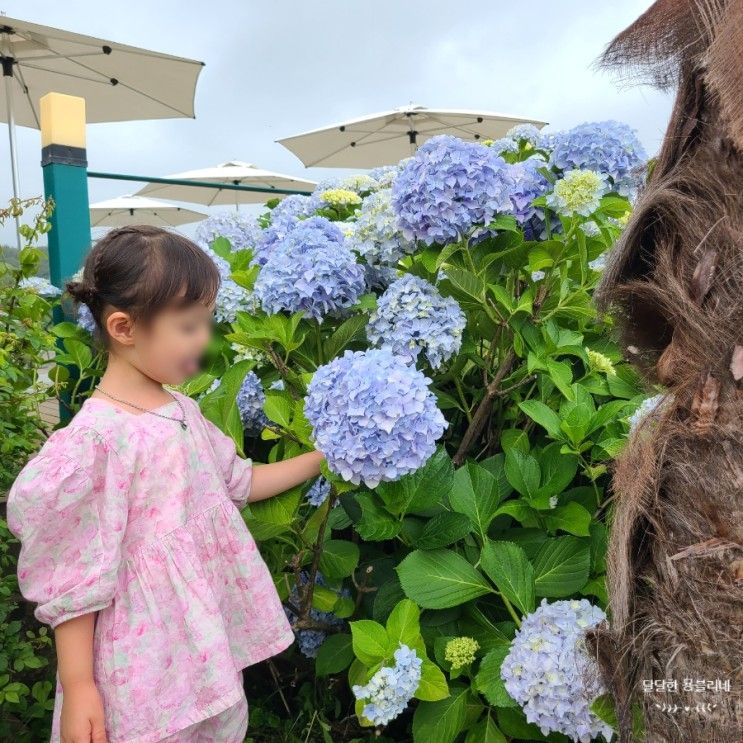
<point x="132" y="541"/>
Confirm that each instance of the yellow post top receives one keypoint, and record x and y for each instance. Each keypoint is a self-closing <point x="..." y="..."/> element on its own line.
<point x="62" y="120"/>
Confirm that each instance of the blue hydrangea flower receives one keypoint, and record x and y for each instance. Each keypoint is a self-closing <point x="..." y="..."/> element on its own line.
<point x="550" y="674"/>
<point x="390" y="689"/>
<point x="293" y="208"/>
<point x="242" y="232"/>
<point x="85" y="318"/>
<point x="504" y="144"/>
<point x="277" y="384"/>
<point x="309" y="640"/>
<point x="283" y="218"/>
<point x="449" y="186"/>
<point x="609" y="147"/>
<point x="384" y="175"/>
<point x="231" y="297"/>
<point x="578" y="192"/>
<point x="43" y="287"/>
<point x="412" y="316"/>
<point x="373" y="416"/>
<point x="250" y="400"/>
<point x="526" y="132"/>
<point x="358" y="183"/>
<point x="529" y="184"/>
<point x="590" y="229"/>
<point x="375" y="234"/>
<point x="312" y="270"/>
<point x="319" y="492"/>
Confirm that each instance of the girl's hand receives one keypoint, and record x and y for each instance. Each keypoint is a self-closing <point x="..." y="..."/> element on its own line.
<point x="82" y="714"/>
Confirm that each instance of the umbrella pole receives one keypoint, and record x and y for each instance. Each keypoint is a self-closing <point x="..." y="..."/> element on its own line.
<point x="8" y="75"/>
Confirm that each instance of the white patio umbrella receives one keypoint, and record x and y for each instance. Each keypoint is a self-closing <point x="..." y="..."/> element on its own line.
<point x="117" y="81"/>
<point x="131" y="209"/>
<point x="234" y="172"/>
<point x="387" y="137"/>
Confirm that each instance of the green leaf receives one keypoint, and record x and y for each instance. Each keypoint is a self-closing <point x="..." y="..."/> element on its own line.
<point x="577" y="414"/>
<point x="432" y="686"/>
<point x="466" y="283"/>
<point x="444" y="529"/>
<point x="441" y="721"/>
<point x="80" y="353"/>
<point x="512" y="721"/>
<point x="421" y="492"/>
<point x="489" y="681"/>
<point x="561" y="567"/>
<point x="334" y="655"/>
<point x="523" y="472"/>
<point x="562" y="375"/>
<point x="485" y="731"/>
<point x="544" y="415"/>
<point x="603" y="708"/>
<point x="508" y="567"/>
<point x="475" y="493"/>
<point x="278" y="408"/>
<point x="339" y="558"/>
<point x="370" y="641"/>
<point x="376" y="523"/>
<point x="438" y="579"/>
<point x="572" y="518"/>
<point x="351" y="330"/>
<point x="520" y="510"/>
<point x="403" y="623"/>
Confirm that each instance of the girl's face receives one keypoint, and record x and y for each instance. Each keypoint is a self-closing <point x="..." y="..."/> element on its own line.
<point x="169" y="350"/>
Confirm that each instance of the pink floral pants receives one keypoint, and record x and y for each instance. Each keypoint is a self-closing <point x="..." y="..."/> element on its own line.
<point x="229" y="726"/>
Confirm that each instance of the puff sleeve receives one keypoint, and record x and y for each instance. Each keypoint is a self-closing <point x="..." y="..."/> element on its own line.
<point x="68" y="508"/>
<point x="236" y="471"/>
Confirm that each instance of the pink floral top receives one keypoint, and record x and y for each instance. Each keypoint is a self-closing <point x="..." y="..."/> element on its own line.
<point x="133" y="516"/>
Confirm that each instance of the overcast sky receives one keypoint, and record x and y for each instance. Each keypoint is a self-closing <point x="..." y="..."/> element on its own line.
<point x="278" y="68"/>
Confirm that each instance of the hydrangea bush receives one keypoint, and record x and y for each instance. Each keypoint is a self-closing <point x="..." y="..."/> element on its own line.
<point x="429" y="327"/>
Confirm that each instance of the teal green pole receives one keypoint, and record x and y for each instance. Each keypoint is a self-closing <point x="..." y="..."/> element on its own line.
<point x="66" y="181"/>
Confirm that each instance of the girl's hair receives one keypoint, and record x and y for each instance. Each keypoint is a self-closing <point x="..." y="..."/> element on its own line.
<point x="141" y="269"/>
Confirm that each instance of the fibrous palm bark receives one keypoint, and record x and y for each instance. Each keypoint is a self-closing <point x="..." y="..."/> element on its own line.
<point x="675" y="282"/>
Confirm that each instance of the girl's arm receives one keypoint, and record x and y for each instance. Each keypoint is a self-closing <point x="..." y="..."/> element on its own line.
<point x="82" y="707"/>
<point x="271" y="479"/>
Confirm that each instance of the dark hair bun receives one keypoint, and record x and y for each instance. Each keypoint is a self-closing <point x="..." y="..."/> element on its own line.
<point x="80" y="292"/>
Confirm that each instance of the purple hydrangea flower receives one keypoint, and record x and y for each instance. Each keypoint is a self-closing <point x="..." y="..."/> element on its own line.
<point x="242" y="232"/>
<point x="312" y="270"/>
<point x="390" y="689"/>
<point x="412" y="316"/>
<point x="550" y="674"/>
<point x="609" y="147"/>
<point x="449" y="186"/>
<point x="373" y="416"/>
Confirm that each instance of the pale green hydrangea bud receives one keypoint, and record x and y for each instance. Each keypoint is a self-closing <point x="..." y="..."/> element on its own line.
<point x="460" y="651"/>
